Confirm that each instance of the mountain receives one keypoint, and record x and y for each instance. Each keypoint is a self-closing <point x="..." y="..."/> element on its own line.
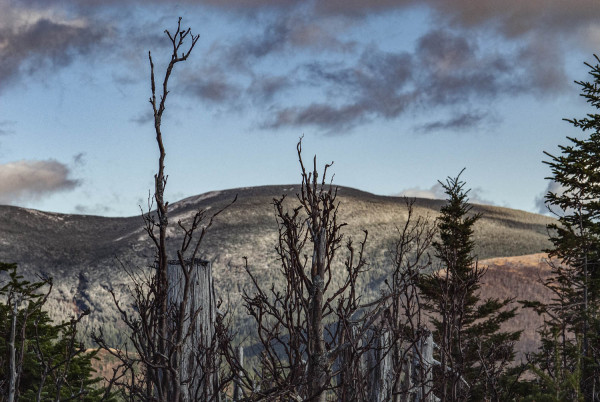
<point x="87" y="255"/>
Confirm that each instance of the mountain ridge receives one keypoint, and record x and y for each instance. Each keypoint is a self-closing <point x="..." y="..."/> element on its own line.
<point x="86" y="254"/>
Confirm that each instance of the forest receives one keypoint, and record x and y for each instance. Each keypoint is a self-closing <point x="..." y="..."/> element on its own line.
<point x="428" y="335"/>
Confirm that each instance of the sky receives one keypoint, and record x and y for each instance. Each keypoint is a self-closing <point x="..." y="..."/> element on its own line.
<point x="398" y="94"/>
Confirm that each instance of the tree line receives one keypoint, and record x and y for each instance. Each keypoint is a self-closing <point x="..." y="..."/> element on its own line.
<point x="428" y="336"/>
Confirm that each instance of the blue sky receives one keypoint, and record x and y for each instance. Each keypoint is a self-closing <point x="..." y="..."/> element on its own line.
<point x="399" y="94"/>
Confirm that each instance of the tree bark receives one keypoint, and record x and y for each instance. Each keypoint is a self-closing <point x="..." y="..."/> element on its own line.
<point x="237" y="387"/>
<point x="381" y="380"/>
<point x="317" y="359"/>
<point x="197" y="373"/>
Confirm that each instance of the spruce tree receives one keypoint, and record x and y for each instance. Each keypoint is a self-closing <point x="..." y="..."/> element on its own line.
<point x="572" y="318"/>
<point x="474" y="354"/>
<point x="40" y="360"/>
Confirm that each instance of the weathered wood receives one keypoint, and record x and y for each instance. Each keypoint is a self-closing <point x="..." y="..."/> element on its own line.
<point x="406" y="384"/>
<point x="350" y="367"/>
<point x="380" y="369"/>
<point x="422" y="374"/>
<point x="237" y="386"/>
<point x="197" y="373"/>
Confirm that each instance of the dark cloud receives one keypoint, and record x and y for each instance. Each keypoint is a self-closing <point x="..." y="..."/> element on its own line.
<point x="541" y="66"/>
<point x="264" y="88"/>
<point x="375" y="87"/>
<point x="241" y="80"/>
<point x="509" y="17"/>
<point x="335" y="120"/>
<point x="246" y="51"/>
<point x="454" y="69"/>
<point x="359" y="8"/>
<point x="143" y="118"/>
<point x="517" y="17"/>
<point x="446" y="69"/>
<point x="27" y="47"/>
<point x="214" y="89"/>
<point x="463" y="121"/>
<point x="286" y="33"/>
<point x="32" y="180"/>
<point x="349" y="82"/>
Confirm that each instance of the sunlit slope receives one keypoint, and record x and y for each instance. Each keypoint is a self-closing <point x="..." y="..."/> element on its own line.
<point x="87" y="255"/>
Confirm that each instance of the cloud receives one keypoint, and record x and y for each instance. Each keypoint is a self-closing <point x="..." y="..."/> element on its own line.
<point x="437" y="192"/>
<point x="96" y="209"/>
<point x="334" y="119"/>
<point x="27" y="180"/>
<point x="286" y="33"/>
<point x="347" y="82"/>
<point x="446" y="69"/>
<point x="463" y="121"/>
<point x="264" y="88"/>
<point x="247" y="50"/>
<point x="374" y="88"/>
<point x="454" y="69"/>
<point x="33" y="40"/>
<point x="143" y="118"/>
<point x="540" y="199"/>
<point x="509" y="17"/>
<point x="516" y="17"/>
<point x="213" y="87"/>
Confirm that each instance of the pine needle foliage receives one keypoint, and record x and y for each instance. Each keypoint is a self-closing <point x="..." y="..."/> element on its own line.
<point x="474" y="353"/>
<point x="40" y="360"/>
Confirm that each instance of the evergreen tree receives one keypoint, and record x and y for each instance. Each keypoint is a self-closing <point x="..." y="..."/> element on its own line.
<point x="474" y="354"/>
<point x="572" y="318"/>
<point x="39" y="360"/>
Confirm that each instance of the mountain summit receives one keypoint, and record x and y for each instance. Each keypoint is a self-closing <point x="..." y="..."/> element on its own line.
<point x="87" y="255"/>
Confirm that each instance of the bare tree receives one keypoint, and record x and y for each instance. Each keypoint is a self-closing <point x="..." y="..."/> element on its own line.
<point x="175" y="325"/>
<point x="410" y="368"/>
<point x="307" y="325"/>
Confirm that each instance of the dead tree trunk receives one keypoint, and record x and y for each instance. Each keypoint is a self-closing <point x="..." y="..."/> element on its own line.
<point x="318" y="365"/>
<point x="237" y="387"/>
<point x="197" y="315"/>
<point x="299" y="324"/>
<point x="381" y="379"/>
<point x="352" y="366"/>
<point x="421" y="369"/>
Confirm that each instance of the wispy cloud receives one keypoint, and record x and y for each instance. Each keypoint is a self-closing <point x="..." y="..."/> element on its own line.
<point x="437" y="192"/>
<point x="463" y="121"/>
<point x="28" y="180"/>
<point x="540" y="199"/>
<point x="143" y="118"/>
<point x="96" y="209"/>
